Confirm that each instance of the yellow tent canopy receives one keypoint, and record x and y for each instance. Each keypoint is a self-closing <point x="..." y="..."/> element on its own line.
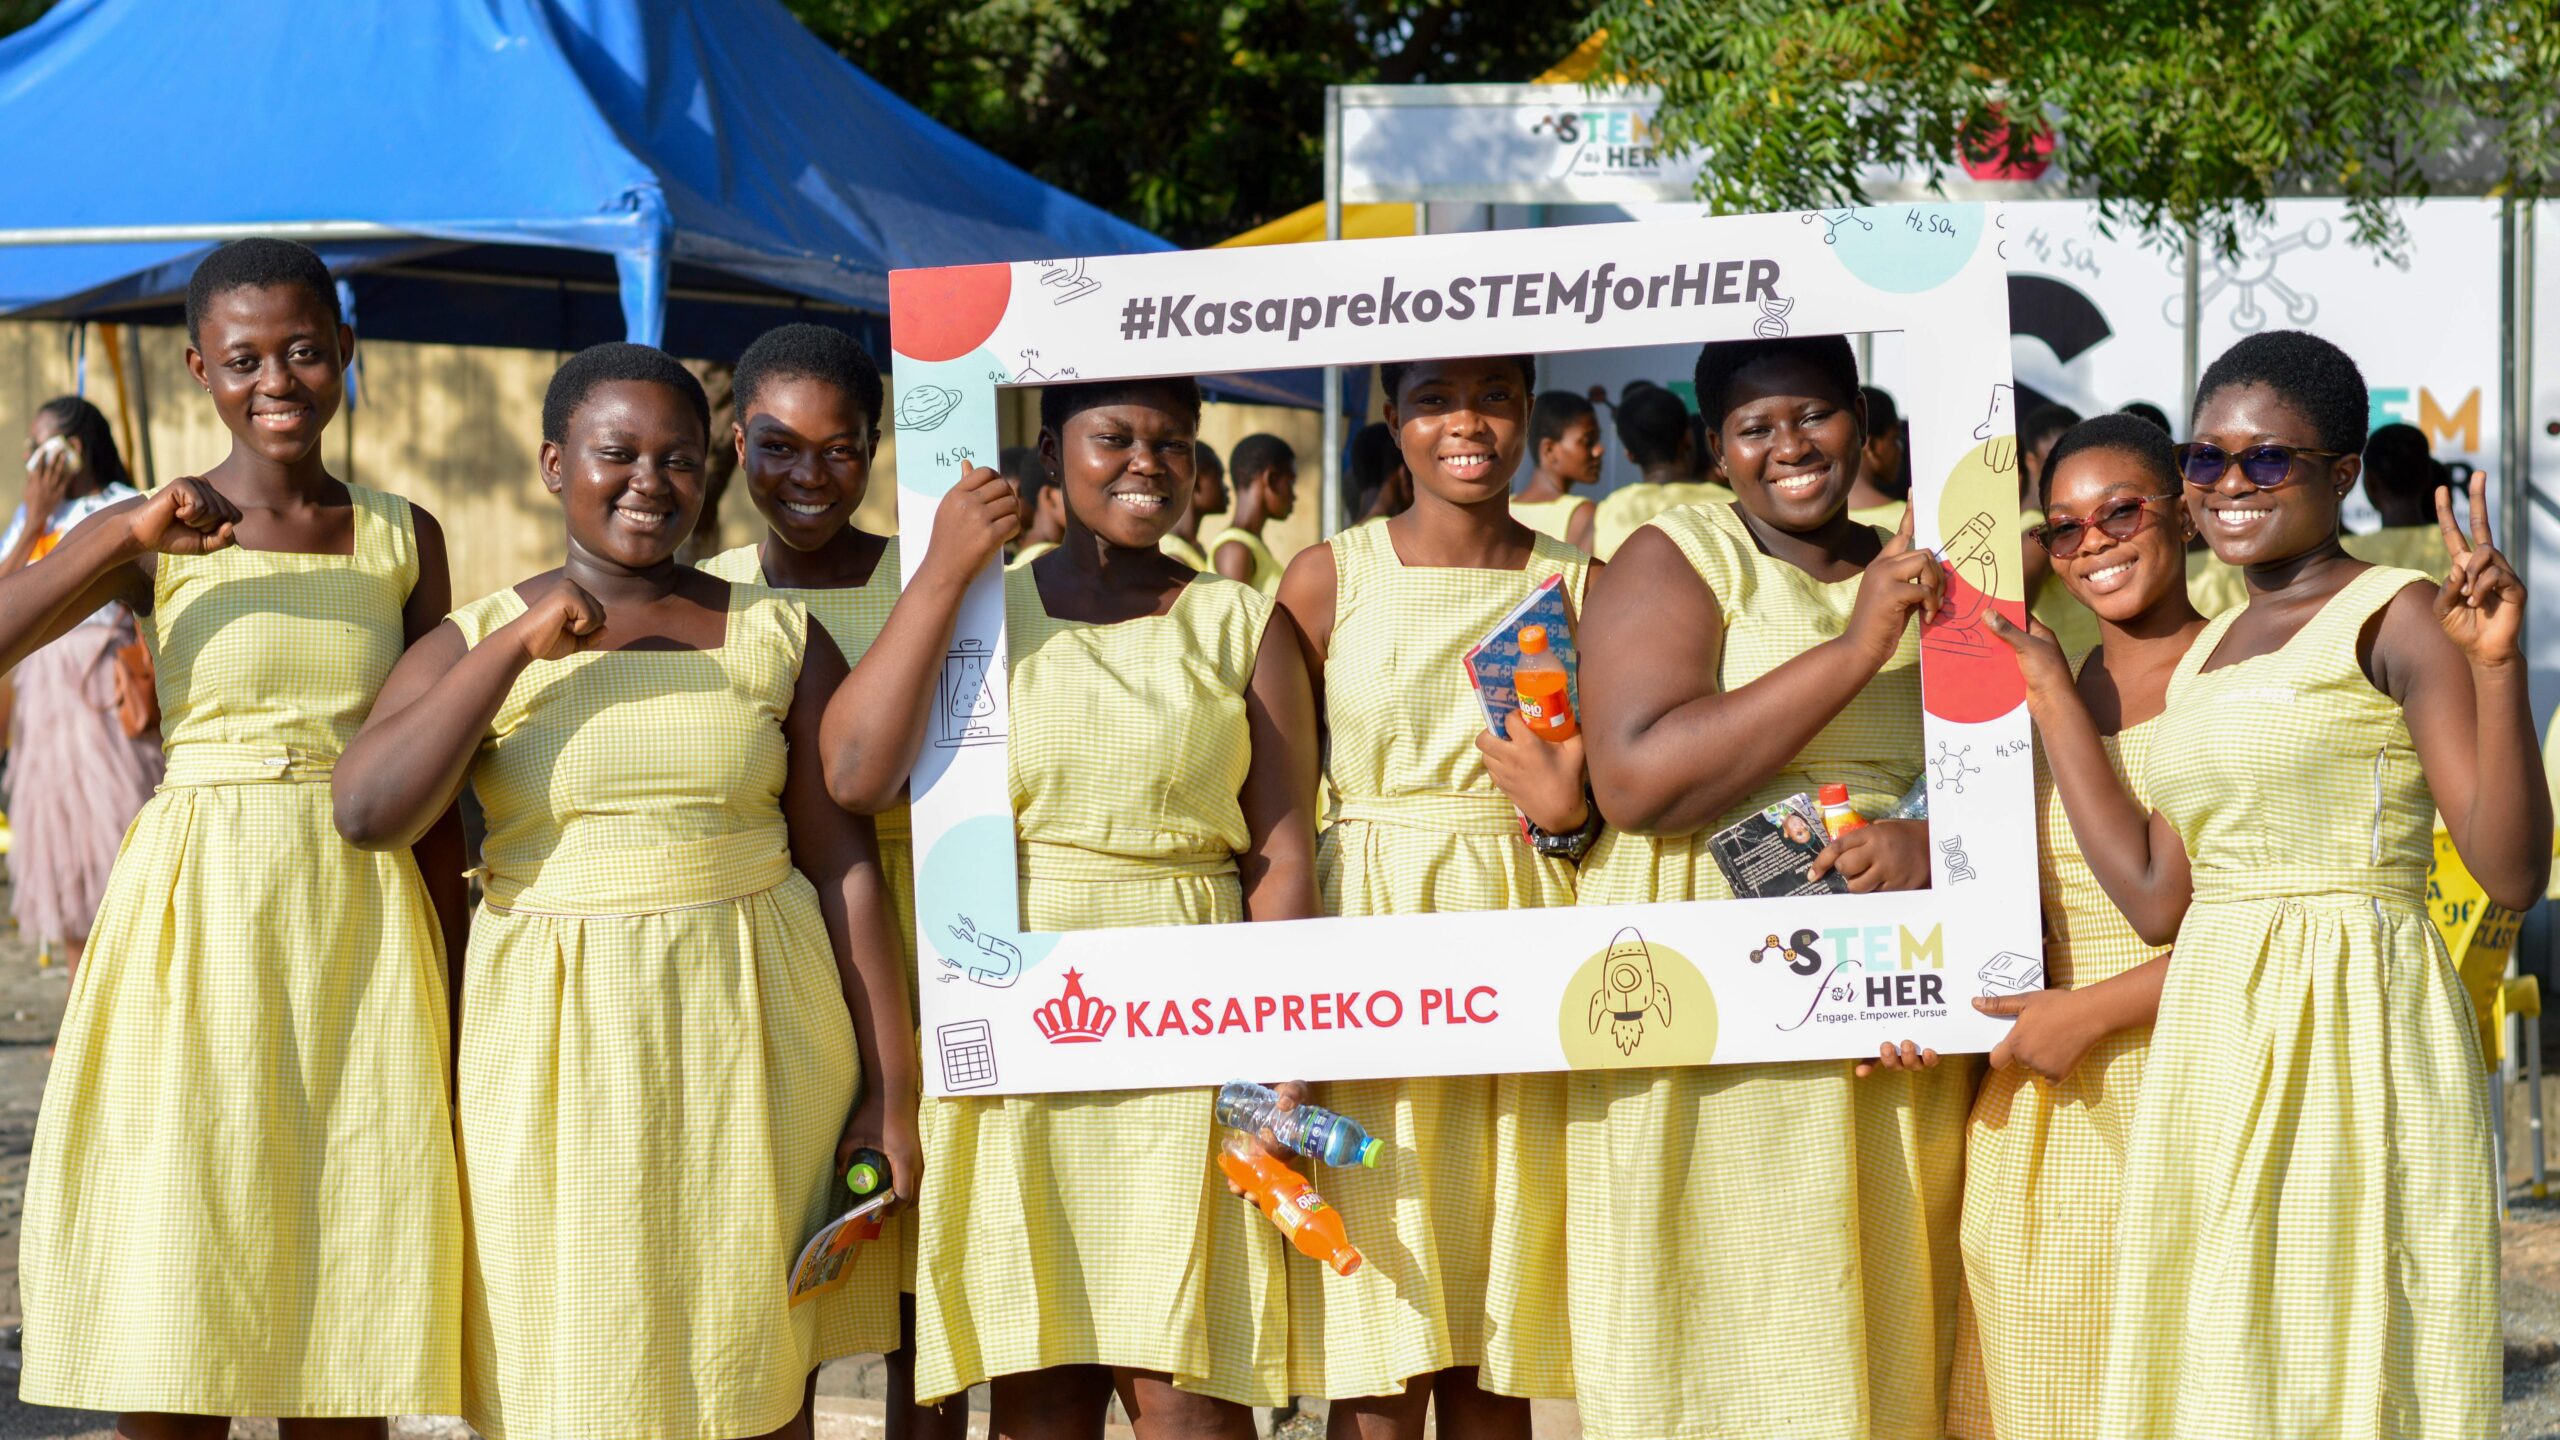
<point x="1372" y="222"/>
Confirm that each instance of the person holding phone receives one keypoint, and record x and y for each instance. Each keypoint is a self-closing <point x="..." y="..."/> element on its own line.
<point x="77" y="773"/>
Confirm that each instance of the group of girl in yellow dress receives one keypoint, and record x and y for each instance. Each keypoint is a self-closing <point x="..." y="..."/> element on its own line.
<point x="318" y="1144"/>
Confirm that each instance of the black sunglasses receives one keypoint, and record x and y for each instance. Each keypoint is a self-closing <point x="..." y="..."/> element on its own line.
<point x="2121" y="521"/>
<point x="2265" y="466"/>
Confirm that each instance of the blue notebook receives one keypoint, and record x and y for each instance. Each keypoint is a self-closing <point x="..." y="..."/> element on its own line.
<point x="1491" y="661"/>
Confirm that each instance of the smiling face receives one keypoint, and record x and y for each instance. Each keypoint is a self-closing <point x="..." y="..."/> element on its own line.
<point x="2249" y="526"/>
<point x="1124" y="469"/>
<point x="1789" y="447"/>
<point x="1462" y="426"/>
<point x="628" y="471"/>
<point x="275" y="363"/>
<point x="2119" y="580"/>
<point x="806" y="448"/>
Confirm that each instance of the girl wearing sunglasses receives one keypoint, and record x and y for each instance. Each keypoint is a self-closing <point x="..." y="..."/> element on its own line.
<point x="2312" y="1236"/>
<point x="2044" y="1161"/>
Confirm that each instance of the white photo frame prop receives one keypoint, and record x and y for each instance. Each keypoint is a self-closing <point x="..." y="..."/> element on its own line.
<point x="1009" y="1011"/>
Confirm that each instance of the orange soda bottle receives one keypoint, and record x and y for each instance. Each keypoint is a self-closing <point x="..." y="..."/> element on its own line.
<point x="1293" y="1204"/>
<point x="1546" y="696"/>
<point x="1837" y="816"/>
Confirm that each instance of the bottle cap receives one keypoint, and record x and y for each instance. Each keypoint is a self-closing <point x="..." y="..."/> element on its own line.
<point x="1346" y="1260"/>
<point x="868" y="1172"/>
<point x="1835" y="794"/>
<point x="1370" y="1150"/>
<point x="1533" y="638"/>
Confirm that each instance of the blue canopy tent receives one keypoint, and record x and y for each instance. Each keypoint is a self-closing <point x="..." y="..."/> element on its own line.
<point x="546" y="173"/>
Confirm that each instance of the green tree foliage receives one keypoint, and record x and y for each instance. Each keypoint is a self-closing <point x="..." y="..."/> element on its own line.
<point x="2173" y="113"/>
<point x="1194" y="118"/>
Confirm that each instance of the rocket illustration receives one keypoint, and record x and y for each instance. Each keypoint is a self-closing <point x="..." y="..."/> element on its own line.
<point x="1627" y="990"/>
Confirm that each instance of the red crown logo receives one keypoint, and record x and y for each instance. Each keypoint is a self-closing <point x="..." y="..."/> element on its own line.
<point x="1075" y="1018"/>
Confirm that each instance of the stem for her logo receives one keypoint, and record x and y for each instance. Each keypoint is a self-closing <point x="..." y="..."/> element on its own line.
<point x="1865" y="973"/>
<point x="1617" y="140"/>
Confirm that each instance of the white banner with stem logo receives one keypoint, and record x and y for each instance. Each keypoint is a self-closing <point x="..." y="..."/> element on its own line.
<point x="1008" y="1010"/>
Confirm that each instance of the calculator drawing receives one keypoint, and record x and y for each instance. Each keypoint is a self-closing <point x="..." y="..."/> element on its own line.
<point x="968" y="1055"/>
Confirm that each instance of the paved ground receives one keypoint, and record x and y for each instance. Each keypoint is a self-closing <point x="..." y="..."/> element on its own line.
<point x="848" y="1407"/>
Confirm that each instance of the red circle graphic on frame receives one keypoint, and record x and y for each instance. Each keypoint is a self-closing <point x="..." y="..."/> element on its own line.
<point x="937" y="315"/>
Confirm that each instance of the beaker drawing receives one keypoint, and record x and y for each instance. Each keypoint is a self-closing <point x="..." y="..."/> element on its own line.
<point x="967" y="711"/>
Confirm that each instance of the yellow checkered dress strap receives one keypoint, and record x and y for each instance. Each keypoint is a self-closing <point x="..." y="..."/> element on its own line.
<point x="386" y="534"/>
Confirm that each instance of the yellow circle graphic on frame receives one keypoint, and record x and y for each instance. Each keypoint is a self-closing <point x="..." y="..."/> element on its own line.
<point x="1637" y="1003"/>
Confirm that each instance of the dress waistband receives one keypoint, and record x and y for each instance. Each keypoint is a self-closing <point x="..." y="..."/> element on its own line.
<point x="1441" y="812"/>
<point x="227" y="762"/>
<point x="579" y="881"/>
<point x="2402" y="885"/>
<point x="1045" y="860"/>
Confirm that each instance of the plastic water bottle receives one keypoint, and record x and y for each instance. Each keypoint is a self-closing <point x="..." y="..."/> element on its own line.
<point x="1309" y="1130"/>
<point x="1283" y="1194"/>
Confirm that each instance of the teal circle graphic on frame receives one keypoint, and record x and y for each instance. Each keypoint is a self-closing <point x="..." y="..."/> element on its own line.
<point x="1902" y="249"/>
<point x="968" y="903"/>
<point x="938" y="411"/>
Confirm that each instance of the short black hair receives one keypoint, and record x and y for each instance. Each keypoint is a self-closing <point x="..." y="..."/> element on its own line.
<point x="1062" y="403"/>
<point x="1373" y="456"/>
<point x="808" y="352"/>
<point x="1882" y="413"/>
<point x="76" y="419"/>
<point x="2044" y="422"/>
<point x="259" y="263"/>
<point x="1552" y="414"/>
<point x="612" y="363"/>
<point x="2124" y="435"/>
<point x="1205" y="461"/>
<point x="1391" y="374"/>
<point x="1257" y="454"/>
<point x="1720" y="361"/>
<point x="2401" y="475"/>
<point x="1651" y="424"/>
<point x="2145" y="410"/>
<point x="2309" y="373"/>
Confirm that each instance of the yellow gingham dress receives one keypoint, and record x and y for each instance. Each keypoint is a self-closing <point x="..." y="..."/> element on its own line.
<point x="1184" y="551"/>
<point x="1091" y="1228"/>
<point x="1625" y="510"/>
<point x="2043" y="1167"/>
<point x="1765" y="1250"/>
<point x="242" y="1196"/>
<point x="1551" y="518"/>
<point x="656" y="1058"/>
<point x="853" y="617"/>
<point x="1266" y="566"/>
<point x="1461" y="1220"/>
<point x="2311" y="1246"/>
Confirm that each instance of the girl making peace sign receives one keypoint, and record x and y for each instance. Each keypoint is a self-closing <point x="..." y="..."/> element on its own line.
<point x="2310" y="1243"/>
